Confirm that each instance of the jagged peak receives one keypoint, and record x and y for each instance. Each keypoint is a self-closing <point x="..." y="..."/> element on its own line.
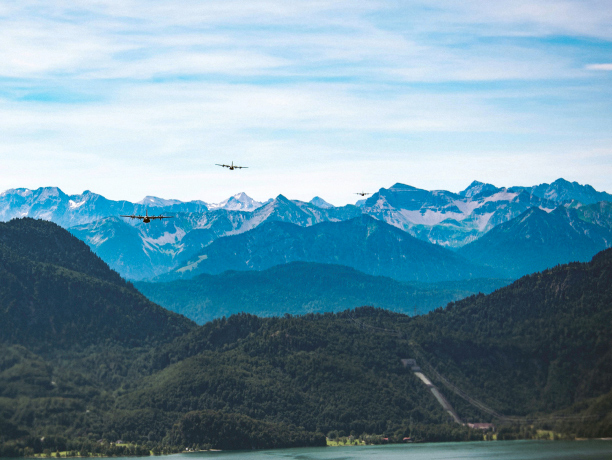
<point x="156" y="201"/>
<point x="320" y="203"/>
<point x="401" y="187"/>
<point x="476" y="188"/>
<point x="17" y="191"/>
<point x="282" y="199"/>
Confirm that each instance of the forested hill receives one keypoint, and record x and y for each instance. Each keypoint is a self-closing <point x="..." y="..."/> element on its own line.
<point x="55" y="293"/>
<point x="540" y="344"/>
<point x="43" y="241"/>
<point x="538" y="347"/>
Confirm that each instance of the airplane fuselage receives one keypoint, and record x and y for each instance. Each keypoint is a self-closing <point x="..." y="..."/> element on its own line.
<point x="146" y="220"/>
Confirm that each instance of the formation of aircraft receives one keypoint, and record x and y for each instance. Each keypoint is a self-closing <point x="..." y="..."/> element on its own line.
<point x="232" y="166"/>
<point x="147" y="218"/>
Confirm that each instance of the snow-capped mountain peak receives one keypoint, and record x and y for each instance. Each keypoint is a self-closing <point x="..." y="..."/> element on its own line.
<point x="154" y="201"/>
<point x="239" y="202"/>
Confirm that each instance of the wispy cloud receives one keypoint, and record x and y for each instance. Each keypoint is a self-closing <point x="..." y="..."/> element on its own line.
<point x="599" y="66"/>
<point x="166" y="89"/>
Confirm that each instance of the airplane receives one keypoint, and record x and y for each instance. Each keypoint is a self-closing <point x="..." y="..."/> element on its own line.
<point x="363" y="193"/>
<point x="147" y="218"/>
<point x="232" y="167"/>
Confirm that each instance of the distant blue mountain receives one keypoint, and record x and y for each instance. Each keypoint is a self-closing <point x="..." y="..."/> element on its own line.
<point x="298" y="288"/>
<point x="140" y="251"/>
<point x="537" y="240"/>
<point x="363" y="243"/>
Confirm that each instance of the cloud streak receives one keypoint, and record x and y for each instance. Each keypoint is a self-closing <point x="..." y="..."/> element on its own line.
<point x="112" y="90"/>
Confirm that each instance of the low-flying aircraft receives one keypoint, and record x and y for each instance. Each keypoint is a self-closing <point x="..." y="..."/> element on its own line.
<point x="232" y="167"/>
<point x="363" y="193"/>
<point x="147" y="218"/>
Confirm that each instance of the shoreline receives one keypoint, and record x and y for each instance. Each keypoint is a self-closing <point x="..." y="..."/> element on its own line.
<point x="420" y="443"/>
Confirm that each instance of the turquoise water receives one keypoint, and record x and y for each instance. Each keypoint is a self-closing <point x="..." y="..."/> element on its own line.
<point x="500" y="450"/>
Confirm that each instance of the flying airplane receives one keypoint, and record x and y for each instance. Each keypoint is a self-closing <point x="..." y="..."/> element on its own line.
<point x="232" y="167"/>
<point x="363" y="193"/>
<point x="147" y="218"/>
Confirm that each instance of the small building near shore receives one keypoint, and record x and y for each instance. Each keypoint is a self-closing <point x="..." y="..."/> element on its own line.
<point x="482" y="426"/>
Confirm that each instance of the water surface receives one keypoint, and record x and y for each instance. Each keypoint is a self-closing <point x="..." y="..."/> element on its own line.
<point x="498" y="450"/>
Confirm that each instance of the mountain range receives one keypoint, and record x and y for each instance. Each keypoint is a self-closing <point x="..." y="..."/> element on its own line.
<point x="85" y="359"/>
<point x="537" y="240"/>
<point x="364" y="243"/>
<point x="453" y="220"/>
<point x="298" y="288"/>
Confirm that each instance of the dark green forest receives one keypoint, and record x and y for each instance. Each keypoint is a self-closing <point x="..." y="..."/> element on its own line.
<point x="86" y="360"/>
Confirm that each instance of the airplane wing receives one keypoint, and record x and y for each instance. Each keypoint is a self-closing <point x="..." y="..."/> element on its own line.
<point x="133" y="217"/>
<point x="225" y="166"/>
<point x="161" y="217"/>
<point x="241" y="167"/>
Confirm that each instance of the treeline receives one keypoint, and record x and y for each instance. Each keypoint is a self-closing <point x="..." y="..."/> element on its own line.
<point x="61" y="447"/>
<point x="234" y="431"/>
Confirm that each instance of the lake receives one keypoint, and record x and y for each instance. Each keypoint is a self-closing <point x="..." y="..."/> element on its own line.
<point x="498" y="450"/>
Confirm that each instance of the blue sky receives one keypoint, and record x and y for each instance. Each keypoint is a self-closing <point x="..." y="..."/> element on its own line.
<point x="133" y="98"/>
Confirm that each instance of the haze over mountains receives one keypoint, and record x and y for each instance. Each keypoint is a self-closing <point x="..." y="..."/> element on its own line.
<point x="299" y="288"/>
<point x="537" y="240"/>
<point x="363" y="243"/>
<point x="452" y="220"/>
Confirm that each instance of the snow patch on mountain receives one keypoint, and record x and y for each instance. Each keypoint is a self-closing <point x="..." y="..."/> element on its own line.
<point x="428" y="217"/>
<point x="165" y="238"/>
<point x="96" y="240"/>
<point x="22" y="192"/>
<point x="74" y="205"/>
<point x="482" y="220"/>
<point x="504" y="195"/>
<point x="154" y="201"/>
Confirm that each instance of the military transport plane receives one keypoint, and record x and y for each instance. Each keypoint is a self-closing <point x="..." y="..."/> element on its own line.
<point x="147" y="218"/>
<point x="363" y="193"/>
<point x="232" y="167"/>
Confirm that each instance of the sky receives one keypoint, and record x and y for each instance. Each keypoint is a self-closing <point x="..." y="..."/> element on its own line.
<point x="132" y="98"/>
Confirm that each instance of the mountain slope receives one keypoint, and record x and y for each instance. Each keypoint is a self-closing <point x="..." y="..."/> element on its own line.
<point x="45" y="242"/>
<point x="363" y="243"/>
<point x="139" y="251"/>
<point x="534" y="241"/>
<point x="50" y="203"/>
<point x="536" y="347"/>
<point x="540" y="344"/>
<point x="54" y="293"/>
<point x="562" y="190"/>
<point x="450" y="219"/>
<point x="298" y="288"/>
